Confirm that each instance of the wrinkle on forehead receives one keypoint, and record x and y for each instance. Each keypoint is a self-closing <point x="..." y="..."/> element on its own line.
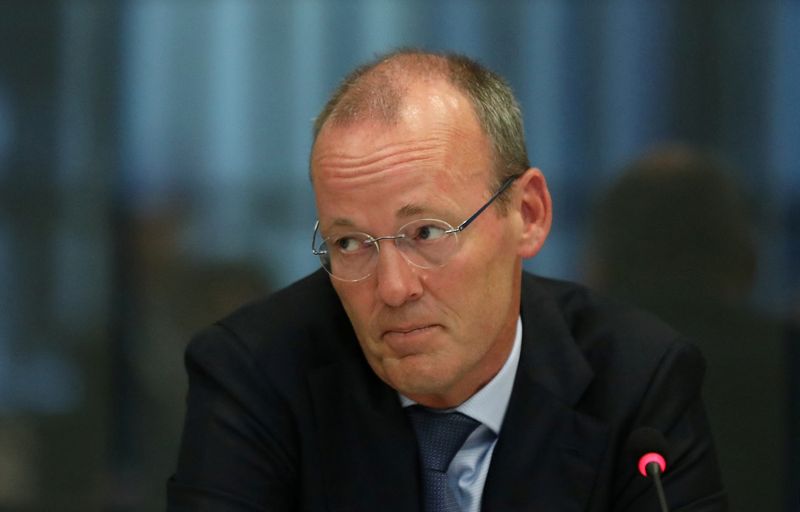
<point x="364" y="161"/>
<point x="339" y="164"/>
<point x="336" y="159"/>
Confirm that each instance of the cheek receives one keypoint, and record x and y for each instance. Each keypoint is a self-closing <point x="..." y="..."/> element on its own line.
<point x="480" y="286"/>
<point x="484" y="268"/>
<point x="468" y="293"/>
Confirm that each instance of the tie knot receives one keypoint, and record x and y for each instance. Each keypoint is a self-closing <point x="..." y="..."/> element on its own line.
<point x="439" y="435"/>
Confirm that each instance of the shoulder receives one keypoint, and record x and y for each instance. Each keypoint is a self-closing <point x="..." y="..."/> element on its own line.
<point x="587" y="311"/>
<point x="628" y="351"/>
<point x="306" y="307"/>
<point x="281" y="336"/>
<point x="596" y="322"/>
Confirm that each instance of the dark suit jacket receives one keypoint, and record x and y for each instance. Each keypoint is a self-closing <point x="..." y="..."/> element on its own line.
<point x="285" y="414"/>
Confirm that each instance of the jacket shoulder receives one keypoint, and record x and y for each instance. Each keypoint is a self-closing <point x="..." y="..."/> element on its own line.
<point x="599" y="322"/>
<point x="626" y="348"/>
<point x="304" y="306"/>
<point x="286" y="333"/>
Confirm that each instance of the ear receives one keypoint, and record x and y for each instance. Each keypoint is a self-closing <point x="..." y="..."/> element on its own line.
<point x="536" y="211"/>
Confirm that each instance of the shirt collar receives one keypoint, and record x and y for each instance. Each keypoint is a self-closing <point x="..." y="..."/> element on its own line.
<point x="489" y="404"/>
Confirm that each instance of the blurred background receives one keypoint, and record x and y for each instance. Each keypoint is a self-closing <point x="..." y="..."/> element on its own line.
<point x="153" y="176"/>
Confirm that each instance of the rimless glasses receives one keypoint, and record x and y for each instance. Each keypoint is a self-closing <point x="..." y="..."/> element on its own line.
<point x="424" y="243"/>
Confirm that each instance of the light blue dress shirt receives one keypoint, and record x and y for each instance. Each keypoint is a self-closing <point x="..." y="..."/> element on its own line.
<point x="467" y="472"/>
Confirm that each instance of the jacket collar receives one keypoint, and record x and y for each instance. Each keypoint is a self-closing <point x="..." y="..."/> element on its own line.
<point x="548" y="452"/>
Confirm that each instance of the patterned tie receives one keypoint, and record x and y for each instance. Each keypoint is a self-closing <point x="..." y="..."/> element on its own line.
<point x="439" y="436"/>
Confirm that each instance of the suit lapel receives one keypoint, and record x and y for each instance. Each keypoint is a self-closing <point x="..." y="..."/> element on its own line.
<point x="547" y="453"/>
<point x="369" y="454"/>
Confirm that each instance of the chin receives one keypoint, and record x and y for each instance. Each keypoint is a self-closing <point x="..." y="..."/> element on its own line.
<point x="423" y="379"/>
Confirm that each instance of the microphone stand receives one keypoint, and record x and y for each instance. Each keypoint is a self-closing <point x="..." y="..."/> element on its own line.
<point x="654" y="471"/>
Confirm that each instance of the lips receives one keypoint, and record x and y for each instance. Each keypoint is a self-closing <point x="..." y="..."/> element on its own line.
<point x="407" y="330"/>
<point x="406" y="341"/>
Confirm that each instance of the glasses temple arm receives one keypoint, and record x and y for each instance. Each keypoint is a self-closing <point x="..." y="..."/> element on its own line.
<point x="503" y="187"/>
<point x="314" y="250"/>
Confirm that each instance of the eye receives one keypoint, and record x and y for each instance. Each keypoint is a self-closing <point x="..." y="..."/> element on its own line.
<point x="349" y="244"/>
<point x="429" y="232"/>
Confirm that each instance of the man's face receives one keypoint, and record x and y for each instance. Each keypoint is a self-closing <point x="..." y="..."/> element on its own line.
<point x="436" y="335"/>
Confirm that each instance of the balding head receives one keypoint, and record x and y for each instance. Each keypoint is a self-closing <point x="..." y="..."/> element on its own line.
<point x="376" y="91"/>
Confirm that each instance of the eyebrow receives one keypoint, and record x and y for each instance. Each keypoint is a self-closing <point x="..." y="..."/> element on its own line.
<point x="410" y="210"/>
<point x="406" y="211"/>
<point x="340" y="223"/>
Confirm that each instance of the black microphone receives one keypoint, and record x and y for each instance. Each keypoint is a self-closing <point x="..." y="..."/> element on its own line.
<point x="649" y="448"/>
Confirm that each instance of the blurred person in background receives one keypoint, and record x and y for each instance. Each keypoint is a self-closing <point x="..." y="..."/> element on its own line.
<point x="675" y="234"/>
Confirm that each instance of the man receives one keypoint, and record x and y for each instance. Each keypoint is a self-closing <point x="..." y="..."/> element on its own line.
<point x="339" y="392"/>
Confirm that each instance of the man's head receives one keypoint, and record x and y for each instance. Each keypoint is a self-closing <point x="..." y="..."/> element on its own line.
<point x="405" y="139"/>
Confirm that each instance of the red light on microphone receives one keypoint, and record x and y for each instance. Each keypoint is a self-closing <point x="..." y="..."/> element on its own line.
<point x="649" y="458"/>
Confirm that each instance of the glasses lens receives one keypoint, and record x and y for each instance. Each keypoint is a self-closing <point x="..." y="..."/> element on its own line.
<point x="428" y="243"/>
<point x="348" y="256"/>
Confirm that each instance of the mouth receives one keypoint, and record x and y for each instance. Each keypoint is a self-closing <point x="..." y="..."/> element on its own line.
<point x="408" y="331"/>
<point x="410" y="340"/>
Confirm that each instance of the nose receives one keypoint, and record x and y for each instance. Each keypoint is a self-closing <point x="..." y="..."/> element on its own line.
<point x="398" y="281"/>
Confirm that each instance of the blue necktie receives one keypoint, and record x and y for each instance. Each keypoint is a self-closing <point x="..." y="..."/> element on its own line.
<point x="439" y="436"/>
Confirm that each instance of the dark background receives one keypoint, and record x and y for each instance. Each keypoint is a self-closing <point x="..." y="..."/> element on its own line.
<point x="153" y="175"/>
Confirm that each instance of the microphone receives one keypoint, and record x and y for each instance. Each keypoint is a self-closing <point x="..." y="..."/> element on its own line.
<point x="649" y="448"/>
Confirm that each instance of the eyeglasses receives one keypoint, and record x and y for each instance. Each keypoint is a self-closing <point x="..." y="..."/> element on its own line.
<point x="424" y="243"/>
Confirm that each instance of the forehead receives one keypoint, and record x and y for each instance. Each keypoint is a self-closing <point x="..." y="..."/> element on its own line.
<point x="435" y="143"/>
